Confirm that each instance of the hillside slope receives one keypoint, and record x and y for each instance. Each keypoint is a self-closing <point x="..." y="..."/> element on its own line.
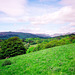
<point x="53" y="61"/>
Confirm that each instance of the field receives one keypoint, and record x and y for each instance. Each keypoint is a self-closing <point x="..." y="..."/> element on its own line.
<point x="58" y="60"/>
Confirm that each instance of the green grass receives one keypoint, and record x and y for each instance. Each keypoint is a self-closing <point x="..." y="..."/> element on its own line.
<point x="52" y="61"/>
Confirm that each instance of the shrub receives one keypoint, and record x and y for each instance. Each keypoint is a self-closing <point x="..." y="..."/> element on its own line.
<point x="64" y="41"/>
<point x="27" y="45"/>
<point x="39" y="47"/>
<point x="72" y="39"/>
<point x="12" y="47"/>
<point x="6" y="62"/>
<point x="31" y="49"/>
<point x="52" y="43"/>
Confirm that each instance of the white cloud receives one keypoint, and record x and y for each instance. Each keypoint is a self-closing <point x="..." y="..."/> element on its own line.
<point x="72" y="24"/>
<point x="46" y="0"/>
<point x="40" y="14"/>
<point x="66" y="29"/>
<point x="12" y="7"/>
<point x="65" y="14"/>
<point x="8" y="19"/>
<point x="29" y="30"/>
<point x="68" y="2"/>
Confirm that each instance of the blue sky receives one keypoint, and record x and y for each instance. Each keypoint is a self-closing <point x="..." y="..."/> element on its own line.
<point x="37" y="16"/>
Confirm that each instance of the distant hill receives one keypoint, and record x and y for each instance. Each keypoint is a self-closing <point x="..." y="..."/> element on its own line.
<point x="6" y="35"/>
<point x="44" y="35"/>
<point x="62" y="35"/>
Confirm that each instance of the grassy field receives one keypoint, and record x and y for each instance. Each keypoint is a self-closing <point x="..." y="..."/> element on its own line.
<point x="52" y="61"/>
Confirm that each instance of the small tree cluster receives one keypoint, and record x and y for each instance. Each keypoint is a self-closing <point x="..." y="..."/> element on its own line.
<point x="12" y="47"/>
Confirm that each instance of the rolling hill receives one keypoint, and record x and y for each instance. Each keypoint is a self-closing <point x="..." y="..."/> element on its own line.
<point x="58" y="60"/>
<point x="6" y="35"/>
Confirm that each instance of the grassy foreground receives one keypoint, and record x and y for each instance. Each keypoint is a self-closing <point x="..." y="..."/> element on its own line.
<point x="52" y="61"/>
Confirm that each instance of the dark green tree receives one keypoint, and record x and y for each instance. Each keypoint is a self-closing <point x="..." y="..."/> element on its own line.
<point x="12" y="47"/>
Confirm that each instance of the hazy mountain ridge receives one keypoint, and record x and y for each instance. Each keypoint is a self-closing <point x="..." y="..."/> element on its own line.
<point x="6" y="35"/>
<point x="63" y="34"/>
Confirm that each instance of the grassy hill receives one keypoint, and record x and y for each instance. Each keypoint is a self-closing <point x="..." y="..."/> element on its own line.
<point x="58" y="60"/>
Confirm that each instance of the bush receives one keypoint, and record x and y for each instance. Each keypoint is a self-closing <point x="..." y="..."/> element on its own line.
<point x="6" y="62"/>
<point x="72" y="39"/>
<point x="12" y="47"/>
<point x="64" y="41"/>
<point x="31" y="49"/>
<point x="52" y="43"/>
<point x="27" y="45"/>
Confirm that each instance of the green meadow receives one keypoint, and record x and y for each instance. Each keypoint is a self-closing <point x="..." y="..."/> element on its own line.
<point x="58" y="60"/>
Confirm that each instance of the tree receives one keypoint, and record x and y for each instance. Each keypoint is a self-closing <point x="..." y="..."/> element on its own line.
<point x="12" y="47"/>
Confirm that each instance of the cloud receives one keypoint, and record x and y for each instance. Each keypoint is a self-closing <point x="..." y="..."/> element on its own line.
<point x="37" y="15"/>
<point x="12" y="7"/>
<point x="72" y="24"/>
<point x="46" y="0"/>
<point x="65" y="14"/>
<point x="66" y="29"/>
<point x="8" y="19"/>
<point x="29" y="30"/>
<point x="68" y="2"/>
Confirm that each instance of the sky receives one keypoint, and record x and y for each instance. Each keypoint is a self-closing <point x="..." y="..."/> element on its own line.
<point x="37" y="16"/>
